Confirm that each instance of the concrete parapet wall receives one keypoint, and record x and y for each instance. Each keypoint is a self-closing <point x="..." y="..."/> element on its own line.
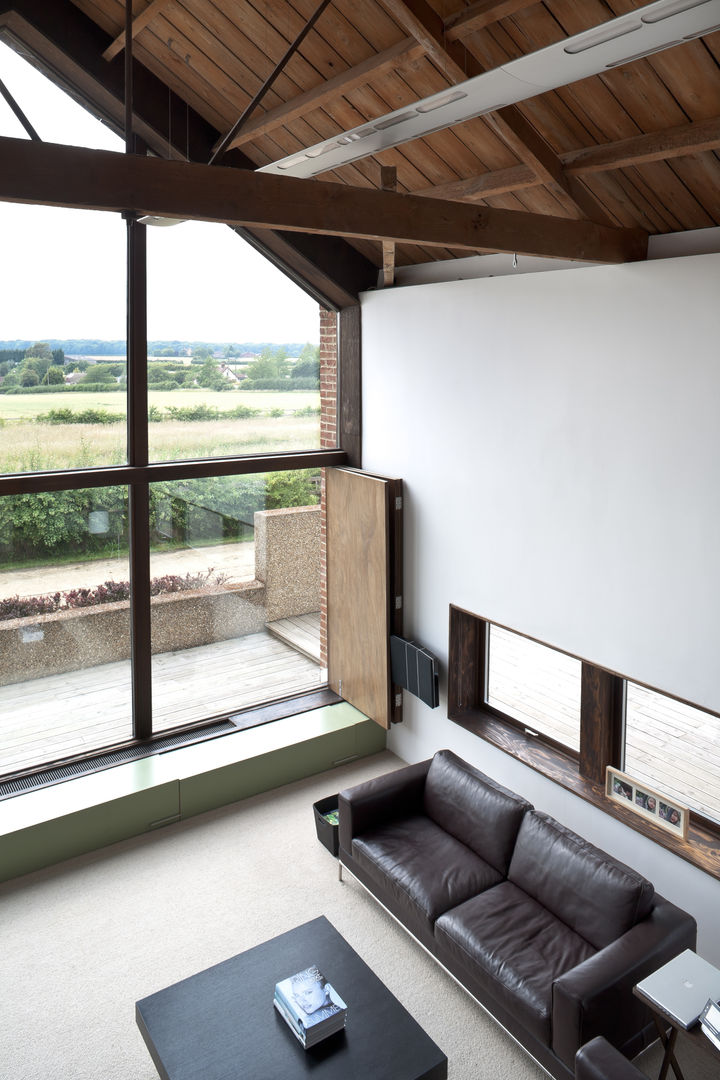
<point x="84" y="637"/>
<point x="287" y="560"/>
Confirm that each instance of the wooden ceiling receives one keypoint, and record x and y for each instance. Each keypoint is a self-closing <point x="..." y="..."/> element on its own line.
<point x="635" y="147"/>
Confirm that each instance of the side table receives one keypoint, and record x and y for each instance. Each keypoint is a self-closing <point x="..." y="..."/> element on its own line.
<point x="669" y="1028"/>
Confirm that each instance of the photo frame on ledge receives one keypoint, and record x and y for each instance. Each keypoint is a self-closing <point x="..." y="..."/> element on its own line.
<point x="646" y="802"/>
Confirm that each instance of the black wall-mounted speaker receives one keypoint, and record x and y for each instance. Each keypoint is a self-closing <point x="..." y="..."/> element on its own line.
<point x="415" y="669"/>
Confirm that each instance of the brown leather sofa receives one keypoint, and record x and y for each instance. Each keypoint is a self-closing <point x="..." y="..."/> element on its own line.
<point x="599" y="1060"/>
<point x="547" y="932"/>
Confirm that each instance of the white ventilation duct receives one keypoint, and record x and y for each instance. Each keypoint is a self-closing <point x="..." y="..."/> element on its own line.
<point x="640" y="33"/>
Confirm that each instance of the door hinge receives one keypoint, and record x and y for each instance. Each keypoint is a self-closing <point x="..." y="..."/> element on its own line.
<point x="398" y="603"/>
<point x="398" y="502"/>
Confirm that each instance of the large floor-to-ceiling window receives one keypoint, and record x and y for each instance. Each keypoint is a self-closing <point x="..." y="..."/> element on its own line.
<point x="162" y="440"/>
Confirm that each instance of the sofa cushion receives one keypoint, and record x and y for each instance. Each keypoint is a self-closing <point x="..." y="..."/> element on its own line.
<point x="515" y="948"/>
<point x="472" y="808"/>
<point x="424" y="868"/>
<point x="594" y="894"/>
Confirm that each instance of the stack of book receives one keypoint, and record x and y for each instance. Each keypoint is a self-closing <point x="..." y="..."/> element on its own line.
<point x="310" y="1006"/>
<point x="710" y="1022"/>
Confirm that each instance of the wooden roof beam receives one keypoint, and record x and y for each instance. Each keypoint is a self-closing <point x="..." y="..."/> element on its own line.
<point x="481" y="14"/>
<point x="458" y="64"/>
<point x="56" y="175"/>
<point x="476" y="188"/>
<point x="67" y="45"/>
<point x="404" y="52"/>
<point x="139" y="23"/>
<point x="694" y="138"/>
<point x="674" y="142"/>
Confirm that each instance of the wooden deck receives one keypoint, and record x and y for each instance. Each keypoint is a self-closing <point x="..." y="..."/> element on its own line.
<point x="61" y="715"/>
<point x="673" y="748"/>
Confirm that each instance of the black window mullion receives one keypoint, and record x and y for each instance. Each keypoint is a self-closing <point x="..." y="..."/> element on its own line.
<point x="140" y="624"/>
<point x="139" y="495"/>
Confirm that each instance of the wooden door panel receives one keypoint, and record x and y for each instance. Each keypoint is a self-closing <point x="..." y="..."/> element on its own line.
<point x="361" y="567"/>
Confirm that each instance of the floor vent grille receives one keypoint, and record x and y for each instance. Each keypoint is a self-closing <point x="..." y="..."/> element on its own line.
<point x="58" y="773"/>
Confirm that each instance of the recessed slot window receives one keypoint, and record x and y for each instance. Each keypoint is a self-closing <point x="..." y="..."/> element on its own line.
<point x="535" y="685"/>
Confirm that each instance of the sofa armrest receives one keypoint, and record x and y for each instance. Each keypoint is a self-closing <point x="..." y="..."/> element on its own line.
<point x="599" y="1060"/>
<point x="386" y="798"/>
<point x="596" y="998"/>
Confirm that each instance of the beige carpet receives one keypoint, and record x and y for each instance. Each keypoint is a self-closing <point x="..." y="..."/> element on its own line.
<point x="83" y="941"/>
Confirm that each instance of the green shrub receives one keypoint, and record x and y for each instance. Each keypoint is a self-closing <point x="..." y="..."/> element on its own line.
<point x="83" y="416"/>
<point x="193" y="412"/>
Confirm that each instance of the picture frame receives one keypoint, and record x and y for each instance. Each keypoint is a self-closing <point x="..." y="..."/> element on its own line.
<point x="648" y="803"/>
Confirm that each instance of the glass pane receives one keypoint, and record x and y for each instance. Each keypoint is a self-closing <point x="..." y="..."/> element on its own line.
<point x="62" y="396"/>
<point x="536" y="685"/>
<point x="64" y="625"/>
<point x="235" y="569"/>
<point x="673" y="748"/>
<point x="233" y="354"/>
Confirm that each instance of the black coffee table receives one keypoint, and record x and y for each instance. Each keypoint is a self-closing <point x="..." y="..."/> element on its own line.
<point x="221" y="1024"/>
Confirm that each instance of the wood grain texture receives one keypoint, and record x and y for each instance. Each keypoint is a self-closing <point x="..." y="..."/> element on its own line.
<point x="358" y="586"/>
<point x="601" y="730"/>
<point x="101" y="180"/>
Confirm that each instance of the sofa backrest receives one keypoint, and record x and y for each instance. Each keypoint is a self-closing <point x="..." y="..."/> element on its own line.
<point x="472" y="808"/>
<point x="594" y="894"/>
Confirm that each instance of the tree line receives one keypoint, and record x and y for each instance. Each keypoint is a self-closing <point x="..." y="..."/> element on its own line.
<point x="41" y="366"/>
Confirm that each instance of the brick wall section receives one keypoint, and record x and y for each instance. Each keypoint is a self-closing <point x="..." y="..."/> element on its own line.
<point x="328" y="440"/>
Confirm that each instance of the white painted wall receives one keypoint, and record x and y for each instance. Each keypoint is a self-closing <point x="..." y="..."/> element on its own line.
<point x="559" y="438"/>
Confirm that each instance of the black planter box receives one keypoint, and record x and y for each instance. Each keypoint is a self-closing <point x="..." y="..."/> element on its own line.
<point x="327" y="834"/>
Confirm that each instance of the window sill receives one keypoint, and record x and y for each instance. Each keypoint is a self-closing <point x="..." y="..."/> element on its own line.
<point x="702" y="847"/>
<point x="55" y="823"/>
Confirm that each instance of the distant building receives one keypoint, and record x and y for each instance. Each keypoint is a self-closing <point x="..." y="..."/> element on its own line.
<point x="232" y="376"/>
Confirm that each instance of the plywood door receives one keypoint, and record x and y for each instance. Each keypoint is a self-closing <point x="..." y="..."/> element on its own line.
<point x="361" y="590"/>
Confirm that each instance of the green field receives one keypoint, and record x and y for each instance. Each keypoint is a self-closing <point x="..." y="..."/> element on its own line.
<point x="26" y="406"/>
<point x="29" y="445"/>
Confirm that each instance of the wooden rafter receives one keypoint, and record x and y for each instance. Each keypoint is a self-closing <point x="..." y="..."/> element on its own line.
<point x="686" y="139"/>
<point x="519" y="134"/>
<point x="143" y="19"/>
<point x="481" y="14"/>
<point x="226" y="142"/>
<point x="419" y="19"/>
<point x="55" y="175"/>
<point x="476" y="188"/>
<point x="659" y="146"/>
<point x="404" y="52"/>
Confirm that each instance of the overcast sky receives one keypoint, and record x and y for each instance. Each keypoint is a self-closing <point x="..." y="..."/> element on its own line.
<point x="62" y="272"/>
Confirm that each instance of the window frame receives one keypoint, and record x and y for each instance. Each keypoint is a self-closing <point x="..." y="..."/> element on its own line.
<point x="139" y="472"/>
<point x="601" y="735"/>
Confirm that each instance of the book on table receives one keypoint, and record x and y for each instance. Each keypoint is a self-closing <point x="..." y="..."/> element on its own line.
<point x="710" y="1022"/>
<point x="310" y="1006"/>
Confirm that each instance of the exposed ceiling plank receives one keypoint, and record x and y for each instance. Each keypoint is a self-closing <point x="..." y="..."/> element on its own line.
<point x="56" y="175"/>
<point x="404" y="52"/>
<point x="658" y="146"/>
<point x="279" y="68"/>
<point x="139" y="23"/>
<point x="481" y="14"/>
<point x="420" y="20"/>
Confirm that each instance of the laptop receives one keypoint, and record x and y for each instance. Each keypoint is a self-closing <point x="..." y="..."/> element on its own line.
<point x="682" y="987"/>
